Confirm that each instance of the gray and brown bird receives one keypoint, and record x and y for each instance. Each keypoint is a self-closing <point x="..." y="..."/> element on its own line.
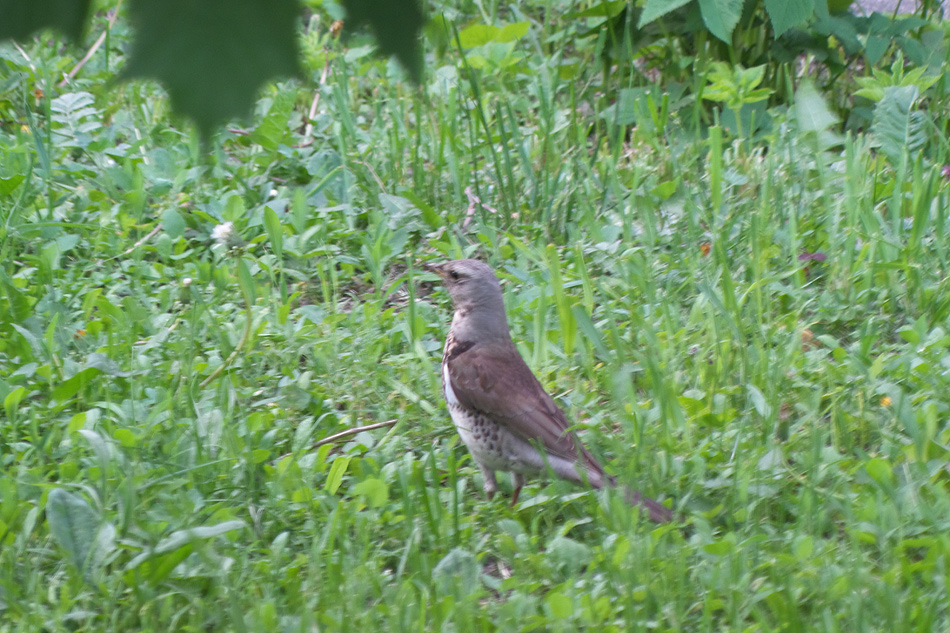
<point x="502" y="413"/>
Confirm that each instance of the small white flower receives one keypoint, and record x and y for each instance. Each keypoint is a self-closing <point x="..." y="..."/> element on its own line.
<point x="186" y="282"/>
<point x="222" y="233"/>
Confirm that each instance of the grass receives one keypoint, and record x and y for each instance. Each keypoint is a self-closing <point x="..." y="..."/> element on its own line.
<point x="793" y="410"/>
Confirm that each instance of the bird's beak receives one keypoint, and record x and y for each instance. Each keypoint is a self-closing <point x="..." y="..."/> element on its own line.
<point x="434" y="268"/>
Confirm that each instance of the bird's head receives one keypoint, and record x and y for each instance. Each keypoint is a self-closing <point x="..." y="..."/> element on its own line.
<point x="471" y="284"/>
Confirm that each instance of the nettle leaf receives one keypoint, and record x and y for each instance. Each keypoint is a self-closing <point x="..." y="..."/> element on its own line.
<point x="787" y="14"/>
<point x="721" y="17"/>
<point x="896" y="127"/>
<point x="396" y="25"/>
<point x="655" y="9"/>
<point x="213" y="55"/>
<point x="20" y="18"/>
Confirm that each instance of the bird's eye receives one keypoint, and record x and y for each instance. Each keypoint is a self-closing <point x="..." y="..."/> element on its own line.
<point x="453" y="274"/>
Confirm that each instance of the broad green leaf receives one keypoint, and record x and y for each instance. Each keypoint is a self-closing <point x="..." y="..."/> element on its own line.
<point x="103" y="363"/>
<point x="587" y="328"/>
<point x="897" y="128"/>
<point x="881" y="472"/>
<point x="758" y="401"/>
<point x="246" y="282"/>
<point x="607" y="9"/>
<point x="375" y="490"/>
<point x="512" y="32"/>
<point x="272" y="129"/>
<point x="172" y="223"/>
<point x="77" y="528"/>
<point x="559" y="605"/>
<point x="20" y="304"/>
<point x="156" y="568"/>
<point x="664" y="190"/>
<point x="568" y="555"/>
<point x="457" y="568"/>
<point x="655" y="9"/>
<point x="275" y="232"/>
<point x="335" y="476"/>
<point x="811" y="112"/>
<point x="20" y="18"/>
<point x="99" y="446"/>
<point x="160" y="560"/>
<point x="234" y="208"/>
<point x="9" y="185"/>
<point x="126" y="438"/>
<point x="478" y="35"/>
<point x="213" y="56"/>
<point x="721" y="17"/>
<point x="178" y="538"/>
<point x="786" y="14"/>
<point x="396" y="25"/>
<point x="70" y="387"/>
<point x="12" y="402"/>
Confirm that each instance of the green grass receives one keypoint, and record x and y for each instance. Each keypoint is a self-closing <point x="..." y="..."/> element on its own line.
<point x="793" y="411"/>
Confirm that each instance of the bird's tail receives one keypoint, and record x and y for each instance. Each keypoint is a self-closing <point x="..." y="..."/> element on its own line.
<point x="656" y="510"/>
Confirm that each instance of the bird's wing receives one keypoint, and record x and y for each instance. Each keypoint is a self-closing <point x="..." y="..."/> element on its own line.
<point x="495" y="380"/>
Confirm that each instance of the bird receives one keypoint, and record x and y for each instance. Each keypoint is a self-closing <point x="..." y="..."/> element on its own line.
<point x="500" y="410"/>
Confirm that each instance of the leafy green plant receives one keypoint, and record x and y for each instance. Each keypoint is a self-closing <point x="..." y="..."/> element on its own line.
<point x="735" y="87"/>
<point x="874" y="87"/>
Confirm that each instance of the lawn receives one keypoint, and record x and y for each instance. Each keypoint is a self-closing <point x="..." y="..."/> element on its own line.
<point x="745" y="318"/>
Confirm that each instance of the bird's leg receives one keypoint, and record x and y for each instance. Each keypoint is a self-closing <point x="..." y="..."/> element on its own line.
<point x="517" y="480"/>
<point x="490" y="486"/>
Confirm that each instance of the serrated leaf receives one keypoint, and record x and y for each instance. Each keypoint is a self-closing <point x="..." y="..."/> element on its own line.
<point x="787" y="14"/>
<point x="721" y="17"/>
<point x="213" y="56"/>
<point x="655" y="9"/>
